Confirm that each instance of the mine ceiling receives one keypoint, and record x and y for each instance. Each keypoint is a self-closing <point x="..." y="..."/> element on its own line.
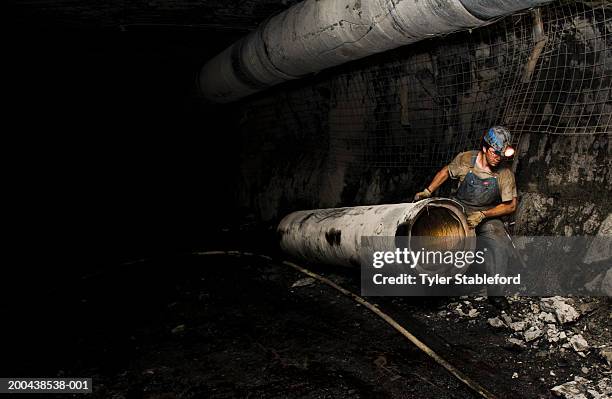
<point x="237" y="15"/>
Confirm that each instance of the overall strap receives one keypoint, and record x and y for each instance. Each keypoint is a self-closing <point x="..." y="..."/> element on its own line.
<point x="473" y="160"/>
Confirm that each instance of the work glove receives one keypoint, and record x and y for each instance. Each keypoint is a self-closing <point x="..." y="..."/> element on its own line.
<point x="474" y="218"/>
<point x="422" y="195"/>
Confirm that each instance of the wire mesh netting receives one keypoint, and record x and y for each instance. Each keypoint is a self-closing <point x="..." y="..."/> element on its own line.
<point x="543" y="71"/>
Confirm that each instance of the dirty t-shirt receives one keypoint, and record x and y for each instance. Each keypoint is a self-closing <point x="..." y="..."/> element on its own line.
<point x="460" y="166"/>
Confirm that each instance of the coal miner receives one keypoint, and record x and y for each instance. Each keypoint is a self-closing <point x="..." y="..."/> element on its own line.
<point x="487" y="191"/>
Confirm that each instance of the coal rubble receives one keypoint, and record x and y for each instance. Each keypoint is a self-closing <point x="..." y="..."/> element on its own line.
<point x="582" y="388"/>
<point x="571" y="333"/>
<point x="555" y="323"/>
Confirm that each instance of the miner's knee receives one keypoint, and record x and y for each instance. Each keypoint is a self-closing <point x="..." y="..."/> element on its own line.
<point x="491" y="228"/>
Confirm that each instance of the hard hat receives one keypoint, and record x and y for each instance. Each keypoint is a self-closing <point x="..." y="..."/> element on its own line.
<point x="498" y="137"/>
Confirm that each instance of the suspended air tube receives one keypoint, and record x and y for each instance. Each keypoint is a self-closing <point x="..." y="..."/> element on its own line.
<point x="489" y="9"/>
<point x="334" y="236"/>
<point x="317" y="34"/>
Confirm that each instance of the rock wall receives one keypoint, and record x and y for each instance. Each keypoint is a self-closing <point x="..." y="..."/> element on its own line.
<point x="565" y="184"/>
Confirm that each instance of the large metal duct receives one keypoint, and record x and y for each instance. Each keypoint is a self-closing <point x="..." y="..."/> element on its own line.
<point x="488" y="9"/>
<point x="334" y="236"/>
<point x="317" y="34"/>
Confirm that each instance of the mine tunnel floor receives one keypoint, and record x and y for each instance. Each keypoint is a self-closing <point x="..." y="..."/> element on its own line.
<point x="190" y="326"/>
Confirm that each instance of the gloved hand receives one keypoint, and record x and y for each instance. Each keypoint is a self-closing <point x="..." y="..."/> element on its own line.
<point x="474" y="218"/>
<point x="422" y="195"/>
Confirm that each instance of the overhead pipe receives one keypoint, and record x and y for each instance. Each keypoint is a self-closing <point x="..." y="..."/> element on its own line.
<point x="334" y="236"/>
<point x="317" y="34"/>
<point x="489" y="9"/>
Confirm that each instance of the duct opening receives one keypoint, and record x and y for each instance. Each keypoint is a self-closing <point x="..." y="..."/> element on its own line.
<point x="437" y="222"/>
<point x="438" y="228"/>
<point x="433" y="221"/>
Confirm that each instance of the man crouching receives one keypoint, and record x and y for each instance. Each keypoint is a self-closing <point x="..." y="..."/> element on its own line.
<point x="487" y="190"/>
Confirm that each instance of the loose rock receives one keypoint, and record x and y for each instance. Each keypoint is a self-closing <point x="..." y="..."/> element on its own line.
<point x="565" y="313"/>
<point x="547" y="317"/>
<point x="496" y="322"/>
<point x="518" y="326"/>
<point x="532" y="333"/>
<point x="573" y="389"/>
<point x="552" y="334"/>
<point x="580" y="387"/>
<point x="507" y="319"/>
<point x="579" y="343"/>
<point x="605" y="387"/>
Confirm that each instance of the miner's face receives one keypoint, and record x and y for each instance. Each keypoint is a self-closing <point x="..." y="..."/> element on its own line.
<point x="493" y="159"/>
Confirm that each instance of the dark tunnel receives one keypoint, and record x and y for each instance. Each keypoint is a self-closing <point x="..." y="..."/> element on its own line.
<point x="196" y="191"/>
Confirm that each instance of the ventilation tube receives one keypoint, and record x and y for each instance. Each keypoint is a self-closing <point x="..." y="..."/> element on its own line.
<point x="488" y="9"/>
<point x="334" y="236"/>
<point x="317" y="34"/>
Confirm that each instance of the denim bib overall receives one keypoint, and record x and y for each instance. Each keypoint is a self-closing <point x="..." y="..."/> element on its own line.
<point x="477" y="194"/>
